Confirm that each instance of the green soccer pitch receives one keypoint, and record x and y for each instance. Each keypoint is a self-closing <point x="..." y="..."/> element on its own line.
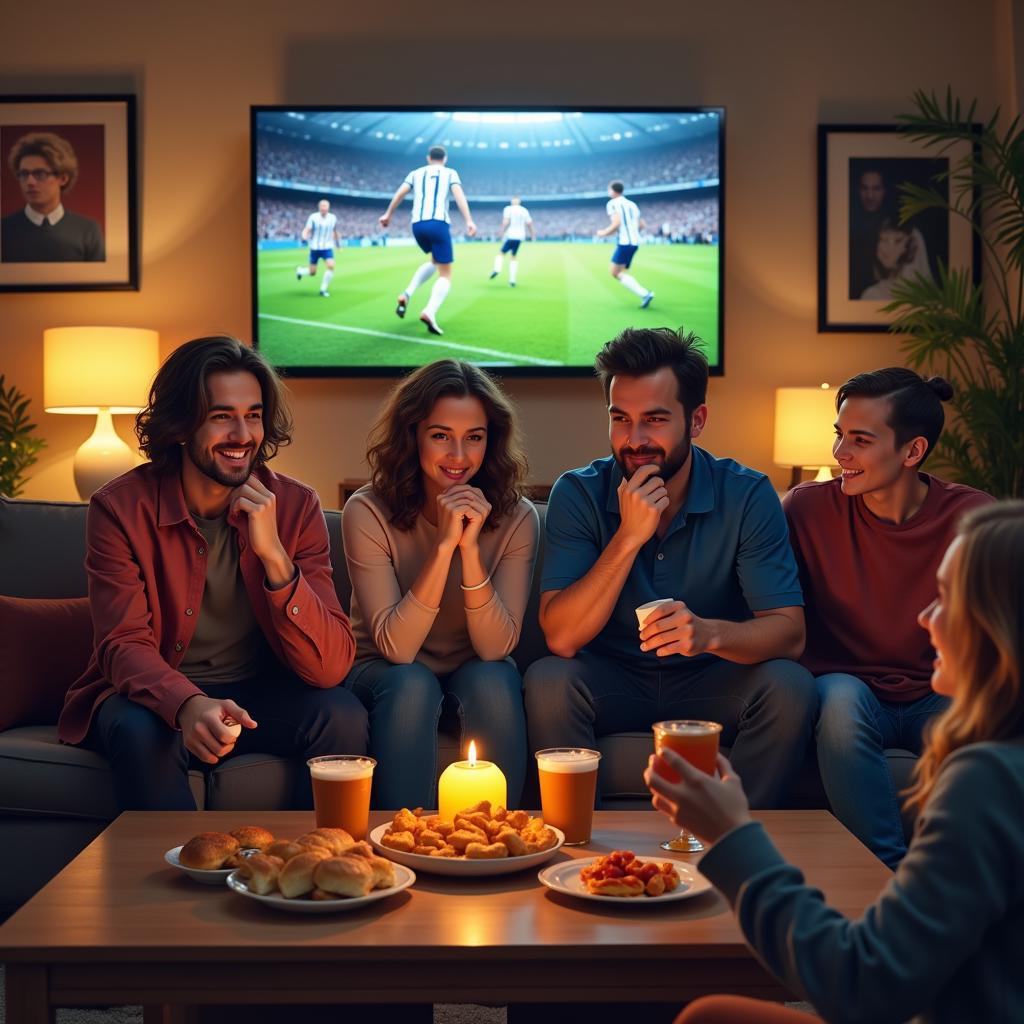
<point x="564" y="307"/>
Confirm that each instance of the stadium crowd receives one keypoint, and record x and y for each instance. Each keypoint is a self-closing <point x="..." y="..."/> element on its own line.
<point x="321" y="166"/>
<point x="674" y="220"/>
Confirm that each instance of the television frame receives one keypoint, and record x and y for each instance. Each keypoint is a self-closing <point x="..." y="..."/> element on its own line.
<point x="717" y="369"/>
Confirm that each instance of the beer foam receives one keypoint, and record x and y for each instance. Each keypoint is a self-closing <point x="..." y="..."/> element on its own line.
<point x="690" y="728"/>
<point x="568" y="762"/>
<point x="341" y="771"/>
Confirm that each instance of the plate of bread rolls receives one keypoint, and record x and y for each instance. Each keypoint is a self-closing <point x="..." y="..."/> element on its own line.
<point x="622" y="878"/>
<point x="309" y="878"/>
<point x="480" y="840"/>
<point x="210" y="857"/>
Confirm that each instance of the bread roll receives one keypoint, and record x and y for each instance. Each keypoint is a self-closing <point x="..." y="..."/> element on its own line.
<point x="361" y="849"/>
<point x="345" y="876"/>
<point x="252" y="837"/>
<point x="208" y="851"/>
<point x="296" y="877"/>
<point x="260" y="873"/>
<point x="339" y="839"/>
<point x="285" y="849"/>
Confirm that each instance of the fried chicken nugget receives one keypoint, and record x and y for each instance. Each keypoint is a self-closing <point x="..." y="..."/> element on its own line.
<point x="465" y="825"/>
<point x="435" y="823"/>
<point x="512" y="842"/>
<point x="423" y="851"/>
<point x="429" y="838"/>
<point x="477" y="819"/>
<point x="461" y="838"/>
<point x="542" y="839"/>
<point x="478" y="851"/>
<point x="534" y="825"/>
<point x="483" y="807"/>
<point x="499" y="813"/>
<point x="444" y="851"/>
<point x="406" y="821"/>
<point x="401" y="841"/>
<point x="517" y="819"/>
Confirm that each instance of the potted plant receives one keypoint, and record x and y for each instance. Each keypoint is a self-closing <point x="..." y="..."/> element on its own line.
<point x="18" y="447"/>
<point x="973" y="334"/>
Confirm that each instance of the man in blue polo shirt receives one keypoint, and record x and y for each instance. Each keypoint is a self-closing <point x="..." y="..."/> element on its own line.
<point x="662" y="518"/>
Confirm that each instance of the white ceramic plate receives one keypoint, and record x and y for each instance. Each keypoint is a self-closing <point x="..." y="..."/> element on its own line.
<point x="403" y="879"/>
<point x="197" y="874"/>
<point x="565" y="878"/>
<point x="460" y="866"/>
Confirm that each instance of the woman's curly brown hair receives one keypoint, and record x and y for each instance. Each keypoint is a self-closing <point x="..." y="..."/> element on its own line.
<point x="179" y="400"/>
<point x="394" y="456"/>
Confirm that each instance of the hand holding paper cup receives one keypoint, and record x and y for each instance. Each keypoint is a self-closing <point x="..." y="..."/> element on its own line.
<point x="645" y="611"/>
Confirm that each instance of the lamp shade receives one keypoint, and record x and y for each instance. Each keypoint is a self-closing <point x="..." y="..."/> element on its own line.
<point x="804" y="426"/>
<point x="86" y="369"/>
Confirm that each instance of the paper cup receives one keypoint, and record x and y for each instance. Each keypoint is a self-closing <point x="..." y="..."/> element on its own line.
<point x="645" y="611"/>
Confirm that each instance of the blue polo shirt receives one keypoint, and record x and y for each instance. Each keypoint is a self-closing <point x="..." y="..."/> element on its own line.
<point x="726" y="553"/>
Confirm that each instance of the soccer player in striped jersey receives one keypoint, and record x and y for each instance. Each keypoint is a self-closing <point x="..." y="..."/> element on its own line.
<point x="515" y="221"/>
<point x="321" y="231"/>
<point x="432" y="186"/>
<point x="624" y="218"/>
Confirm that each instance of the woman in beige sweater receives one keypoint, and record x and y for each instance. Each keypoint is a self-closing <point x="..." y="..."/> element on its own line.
<point x="440" y="548"/>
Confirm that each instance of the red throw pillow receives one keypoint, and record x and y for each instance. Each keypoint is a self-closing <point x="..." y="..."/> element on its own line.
<point x="45" y="645"/>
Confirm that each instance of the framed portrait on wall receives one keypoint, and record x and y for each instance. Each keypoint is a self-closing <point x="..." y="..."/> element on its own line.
<point x="68" y="202"/>
<point x="863" y="249"/>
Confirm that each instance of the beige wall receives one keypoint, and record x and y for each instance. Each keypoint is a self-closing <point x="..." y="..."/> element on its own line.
<point x="779" y="67"/>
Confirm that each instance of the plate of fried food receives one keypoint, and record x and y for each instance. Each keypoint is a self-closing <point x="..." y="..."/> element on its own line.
<point x="481" y="840"/>
<point x="620" y="877"/>
<point x="320" y="872"/>
<point x="211" y="856"/>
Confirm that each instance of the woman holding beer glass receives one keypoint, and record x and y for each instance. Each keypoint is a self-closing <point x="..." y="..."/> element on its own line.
<point x="945" y="939"/>
<point x="440" y="548"/>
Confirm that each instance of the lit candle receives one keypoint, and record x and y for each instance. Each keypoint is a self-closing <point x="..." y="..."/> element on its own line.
<point x="465" y="783"/>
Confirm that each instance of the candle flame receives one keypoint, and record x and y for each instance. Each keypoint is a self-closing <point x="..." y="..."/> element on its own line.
<point x="472" y="753"/>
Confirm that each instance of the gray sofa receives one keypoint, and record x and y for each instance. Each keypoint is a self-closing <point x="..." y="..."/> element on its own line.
<point x="55" y="799"/>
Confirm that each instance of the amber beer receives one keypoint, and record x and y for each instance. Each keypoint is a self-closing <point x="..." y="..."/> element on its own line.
<point x="568" y="784"/>
<point x="696" y="742"/>
<point x="341" y="792"/>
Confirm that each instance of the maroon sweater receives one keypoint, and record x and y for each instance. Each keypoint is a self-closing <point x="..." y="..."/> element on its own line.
<point x="865" y="580"/>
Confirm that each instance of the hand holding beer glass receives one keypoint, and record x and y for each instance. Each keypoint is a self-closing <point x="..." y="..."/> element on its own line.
<point x="341" y="792"/>
<point x="697" y="743"/>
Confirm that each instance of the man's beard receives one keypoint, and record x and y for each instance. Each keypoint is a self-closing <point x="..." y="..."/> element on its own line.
<point x="668" y="464"/>
<point x="206" y="463"/>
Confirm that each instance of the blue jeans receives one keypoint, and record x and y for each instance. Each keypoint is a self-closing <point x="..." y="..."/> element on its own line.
<point x="151" y="764"/>
<point x="404" y="703"/>
<point x="767" y="710"/>
<point x="854" y="729"/>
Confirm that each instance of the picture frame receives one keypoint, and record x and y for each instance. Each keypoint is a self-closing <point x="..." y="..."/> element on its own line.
<point x="68" y="193"/>
<point x="862" y="247"/>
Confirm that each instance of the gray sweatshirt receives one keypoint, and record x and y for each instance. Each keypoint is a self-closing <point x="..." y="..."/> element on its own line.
<point x="944" y="941"/>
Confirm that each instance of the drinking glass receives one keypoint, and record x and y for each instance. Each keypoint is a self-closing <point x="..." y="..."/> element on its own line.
<point x="696" y="742"/>
<point x="341" y="792"/>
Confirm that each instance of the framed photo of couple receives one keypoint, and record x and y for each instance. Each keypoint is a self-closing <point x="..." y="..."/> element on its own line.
<point x="862" y="247"/>
<point x="68" y="206"/>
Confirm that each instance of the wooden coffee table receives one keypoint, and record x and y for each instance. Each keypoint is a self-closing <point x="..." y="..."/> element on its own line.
<point x="118" y="926"/>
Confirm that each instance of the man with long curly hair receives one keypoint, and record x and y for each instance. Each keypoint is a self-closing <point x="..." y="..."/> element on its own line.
<point x="211" y="594"/>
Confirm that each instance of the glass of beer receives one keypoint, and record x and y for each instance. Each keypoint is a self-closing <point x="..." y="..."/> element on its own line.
<point x="341" y="792"/>
<point x="696" y="742"/>
<point x="568" y="785"/>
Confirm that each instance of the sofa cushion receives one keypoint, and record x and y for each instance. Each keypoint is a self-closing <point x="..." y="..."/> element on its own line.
<point x="44" y="647"/>
<point x="42" y="548"/>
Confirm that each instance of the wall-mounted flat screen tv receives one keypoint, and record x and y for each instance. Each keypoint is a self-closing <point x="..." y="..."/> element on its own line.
<point x="580" y="223"/>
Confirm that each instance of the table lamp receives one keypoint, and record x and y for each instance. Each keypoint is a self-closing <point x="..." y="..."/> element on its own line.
<point x="99" y="371"/>
<point x="805" y="430"/>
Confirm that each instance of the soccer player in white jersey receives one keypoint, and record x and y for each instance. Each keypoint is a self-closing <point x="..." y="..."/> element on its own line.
<point x="432" y="187"/>
<point x="624" y="218"/>
<point x="321" y="231"/>
<point x="515" y="222"/>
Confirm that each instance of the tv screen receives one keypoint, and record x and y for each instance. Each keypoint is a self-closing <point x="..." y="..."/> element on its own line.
<point x="580" y="223"/>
